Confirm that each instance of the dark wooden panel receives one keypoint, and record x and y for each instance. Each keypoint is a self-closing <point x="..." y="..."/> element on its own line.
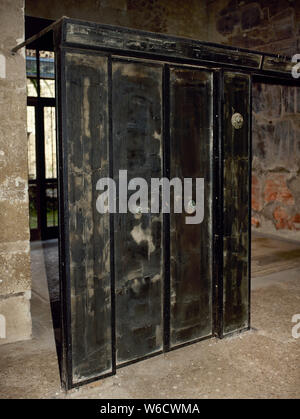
<point x="128" y="40"/>
<point x="236" y="203"/>
<point x="137" y="143"/>
<point x="191" y="100"/>
<point x="89" y="243"/>
<point x="278" y="64"/>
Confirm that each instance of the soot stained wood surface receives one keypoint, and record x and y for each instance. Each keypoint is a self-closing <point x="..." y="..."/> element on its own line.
<point x="236" y="204"/>
<point x="89" y="251"/>
<point x="116" y="309"/>
<point x="137" y="144"/>
<point x="191" y="245"/>
<point x="130" y="40"/>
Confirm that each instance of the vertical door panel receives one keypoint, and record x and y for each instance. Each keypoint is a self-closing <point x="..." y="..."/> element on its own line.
<point x="137" y="148"/>
<point x="85" y="150"/>
<point x="236" y="144"/>
<point x="191" y="129"/>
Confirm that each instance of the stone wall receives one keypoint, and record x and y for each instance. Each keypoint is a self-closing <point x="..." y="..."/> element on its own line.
<point x="276" y="158"/>
<point x="264" y="25"/>
<point x="15" y="275"/>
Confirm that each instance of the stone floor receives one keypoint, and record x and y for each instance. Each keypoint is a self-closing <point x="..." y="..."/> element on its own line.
<point x="264" y="362"/>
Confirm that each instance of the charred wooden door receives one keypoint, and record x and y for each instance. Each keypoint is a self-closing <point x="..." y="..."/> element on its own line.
<point x="236" y="175"/>
<point x="85" y="252"/>
<point x="133" y="285"/>
<point x="137" y="284"/>
<point x="138" y="250"/>
<point x="191" y="145"/>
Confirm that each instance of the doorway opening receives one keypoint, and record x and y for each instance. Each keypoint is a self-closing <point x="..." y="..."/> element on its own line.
<point x="42" y="181"/>
<point x="41" y="133"/>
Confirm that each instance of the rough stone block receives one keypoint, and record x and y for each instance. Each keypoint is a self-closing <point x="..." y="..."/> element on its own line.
<point x="281" y="218"/>
<point x="296" y="222"/>
<point x="288" y="99"/>
<point x="14" y="268"/>
<point x="294" y="186"/>
<point x="262" y="139"/>
<point x="256" y="193"/>
<point x="267" y="99"/>
<point x="251" y="16"/>
<point x="276" y="142"/>
<point x="275" y="6"/>
<point x="276" y="189"/>
<point x="226" y="24"/>
<point x="255" y="222"/>
<point x="15" y="221"/>
<point x="15" y="310"/>
<point x="114" y="4"/>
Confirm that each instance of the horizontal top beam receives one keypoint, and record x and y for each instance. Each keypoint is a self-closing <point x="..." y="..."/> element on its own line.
<point x="81" y="34"/>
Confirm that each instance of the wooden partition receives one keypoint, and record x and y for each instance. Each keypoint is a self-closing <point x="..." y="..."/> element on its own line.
<point x="136" y="284"/>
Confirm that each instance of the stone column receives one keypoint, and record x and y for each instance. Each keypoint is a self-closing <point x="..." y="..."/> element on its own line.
<point x="15" y="277"/>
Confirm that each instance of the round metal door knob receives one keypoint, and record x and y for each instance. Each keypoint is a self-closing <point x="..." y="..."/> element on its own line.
<point x="140" y="210"/>
<point x="191" y="207"/>
<point x="237" y="120"/>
